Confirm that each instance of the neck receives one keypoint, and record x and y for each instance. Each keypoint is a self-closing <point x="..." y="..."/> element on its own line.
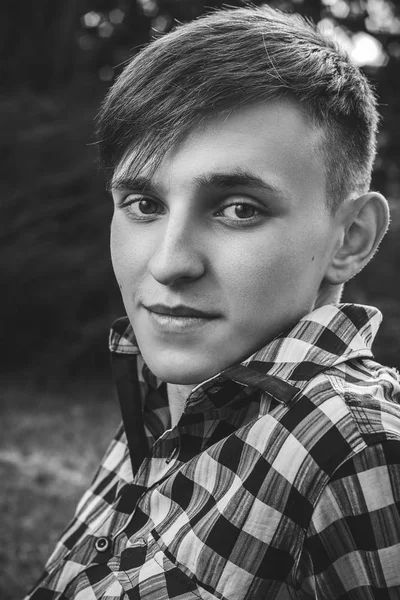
<point x="328" y="294"/>
<point x="177" y="396"/>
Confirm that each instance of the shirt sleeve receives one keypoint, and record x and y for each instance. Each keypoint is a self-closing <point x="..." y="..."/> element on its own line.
<point x="352" y="547"/>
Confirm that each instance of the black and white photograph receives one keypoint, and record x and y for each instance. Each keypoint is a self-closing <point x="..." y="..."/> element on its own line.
<point x="200" y="258"/>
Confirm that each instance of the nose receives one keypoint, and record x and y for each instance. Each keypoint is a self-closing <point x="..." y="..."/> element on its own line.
<point x="178" y="256"/>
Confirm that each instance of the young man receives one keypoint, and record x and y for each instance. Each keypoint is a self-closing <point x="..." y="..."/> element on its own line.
<point x="259" y="456"/>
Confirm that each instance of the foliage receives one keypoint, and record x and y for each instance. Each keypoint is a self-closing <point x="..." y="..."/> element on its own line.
<point x="55" y="265"/>
<point x="59" y="294"/>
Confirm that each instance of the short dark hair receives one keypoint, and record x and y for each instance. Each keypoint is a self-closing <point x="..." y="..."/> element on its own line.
<point x="236" y="57"/>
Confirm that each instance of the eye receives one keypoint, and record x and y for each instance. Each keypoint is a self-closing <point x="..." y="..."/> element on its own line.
<point x="139" y="208"/>
<point x="240" y="211"/>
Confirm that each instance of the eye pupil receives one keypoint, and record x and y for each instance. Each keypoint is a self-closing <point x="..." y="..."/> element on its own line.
<point x="147" y="207"/>
<point x="244" y="211"/>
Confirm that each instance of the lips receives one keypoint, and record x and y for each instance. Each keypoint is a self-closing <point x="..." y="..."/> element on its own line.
<point x="178" y="321"/>
<point x="180" y="311"/>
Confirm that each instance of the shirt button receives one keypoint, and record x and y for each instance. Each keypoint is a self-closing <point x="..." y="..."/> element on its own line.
<point x="102" y="544"/>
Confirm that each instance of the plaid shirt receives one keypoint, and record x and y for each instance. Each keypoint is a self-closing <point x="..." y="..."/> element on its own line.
<point x="281" y="479"/>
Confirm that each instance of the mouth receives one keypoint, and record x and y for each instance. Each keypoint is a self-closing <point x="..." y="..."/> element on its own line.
<point x="180" y="311"/>
<point x="178" y="319"/>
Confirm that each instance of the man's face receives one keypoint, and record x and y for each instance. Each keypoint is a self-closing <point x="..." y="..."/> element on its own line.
<point x="233" y="224"/>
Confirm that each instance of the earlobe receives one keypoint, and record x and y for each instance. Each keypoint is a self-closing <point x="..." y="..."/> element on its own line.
<point x="362" y="224"/>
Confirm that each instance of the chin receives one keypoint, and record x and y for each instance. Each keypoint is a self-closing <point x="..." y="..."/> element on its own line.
<point x="181" y="375"/>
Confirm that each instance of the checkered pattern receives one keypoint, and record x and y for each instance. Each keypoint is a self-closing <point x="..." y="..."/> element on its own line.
<point x="281" y="480"/>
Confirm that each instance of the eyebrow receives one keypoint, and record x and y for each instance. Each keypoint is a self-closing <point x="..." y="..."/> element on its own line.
<point x="223" y="181"/>
<point x="237" y="178"/>
<point x="128" y="182"/>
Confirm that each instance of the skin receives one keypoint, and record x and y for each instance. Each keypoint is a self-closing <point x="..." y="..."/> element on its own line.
<point x="257" y="255"/>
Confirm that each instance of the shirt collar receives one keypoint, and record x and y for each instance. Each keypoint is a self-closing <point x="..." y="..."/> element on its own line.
<point x="326" y="337"/>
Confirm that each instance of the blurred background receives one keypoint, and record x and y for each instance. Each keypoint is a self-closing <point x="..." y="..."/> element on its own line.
<point x="57" y="410"/>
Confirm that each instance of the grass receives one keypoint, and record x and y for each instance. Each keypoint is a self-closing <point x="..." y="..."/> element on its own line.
<point x="50" y="446"/>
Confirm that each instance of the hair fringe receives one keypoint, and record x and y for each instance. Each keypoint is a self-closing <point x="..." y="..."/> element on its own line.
<point x="230" y="58"/>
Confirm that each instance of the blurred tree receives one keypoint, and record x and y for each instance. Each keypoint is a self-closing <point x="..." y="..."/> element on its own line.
<point x="57" y="60"/>
<point x="37" y="42"/>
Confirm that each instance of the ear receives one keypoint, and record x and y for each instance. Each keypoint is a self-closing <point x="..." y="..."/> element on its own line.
<point x="362" y="223"/>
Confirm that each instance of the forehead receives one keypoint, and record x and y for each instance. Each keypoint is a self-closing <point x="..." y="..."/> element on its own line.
<point x="273" y="141"/>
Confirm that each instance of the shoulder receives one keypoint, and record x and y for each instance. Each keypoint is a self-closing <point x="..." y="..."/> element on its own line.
<point x="358" y="399"/>
<point x="338" y="415"/>
<point x="371" y="394"/>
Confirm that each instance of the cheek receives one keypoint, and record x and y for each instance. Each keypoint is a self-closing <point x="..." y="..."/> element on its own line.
<point x="116" y="247"/>
<point x="270" y="273"/>
<point x="124" y="253"/>
<point x="251" y="267"/>
<point x="130" y="253"/>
